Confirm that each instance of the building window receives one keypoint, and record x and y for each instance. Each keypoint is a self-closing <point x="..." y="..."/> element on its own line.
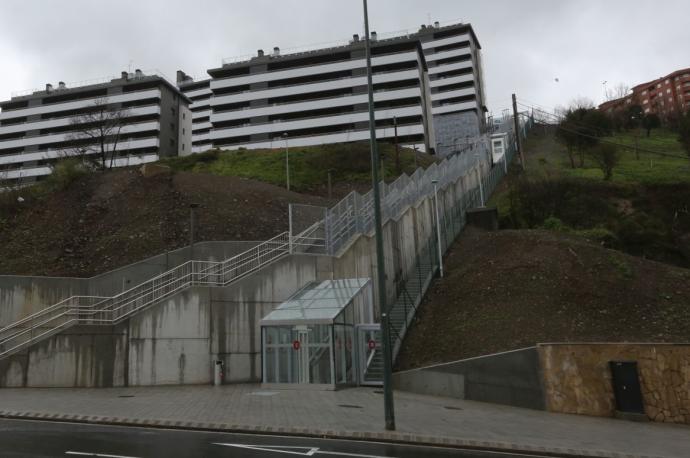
<point x="172" y="110"/>
<point x="172" y="126"/>
<point x="184" y="115"/>
<point x="172" y="142"/>
<point x="183" y="131"/>
<point x="183" y="147"/>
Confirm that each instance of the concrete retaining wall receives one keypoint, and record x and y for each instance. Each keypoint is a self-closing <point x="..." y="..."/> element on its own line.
<point x="23" y="295"/>
<point x="510" y="378"/>
<point x="171" y="343"/>
<point x="175" y="342"/>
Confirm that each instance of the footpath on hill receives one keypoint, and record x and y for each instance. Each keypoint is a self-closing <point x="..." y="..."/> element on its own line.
<point x="106" y="220"/>
<point x="512" y="289"/>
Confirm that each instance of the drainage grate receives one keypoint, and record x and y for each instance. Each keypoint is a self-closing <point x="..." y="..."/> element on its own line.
<point x="126" y="396"/>
<point x="350" y="406"/>
<point x="451" y="408"/>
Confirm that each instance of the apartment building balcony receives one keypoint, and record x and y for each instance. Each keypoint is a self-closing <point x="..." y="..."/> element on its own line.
<point x="446" y="41"/>
<point x="315" y="122"/>
<point x="79" y="104"/>
<point x="56" y="153"/>
<point x="67" y="120"/>
<point x="330" y="84"/>
<point x="348" y="64"/>
<point x="451" y="67"/>
<point x="316" y="104"/>
<point x="23" y="142"/>
<point x="415" y="131"/>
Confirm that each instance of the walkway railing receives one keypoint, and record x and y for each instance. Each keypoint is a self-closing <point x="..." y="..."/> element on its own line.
<point x="112" y="310"/>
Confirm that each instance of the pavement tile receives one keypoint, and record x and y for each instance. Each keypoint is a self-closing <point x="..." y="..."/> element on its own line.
<point x="420" y="419"/>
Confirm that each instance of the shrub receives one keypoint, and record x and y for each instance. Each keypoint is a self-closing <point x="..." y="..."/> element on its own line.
<point x="65" y="172"/>
<point x="606" y="156"/>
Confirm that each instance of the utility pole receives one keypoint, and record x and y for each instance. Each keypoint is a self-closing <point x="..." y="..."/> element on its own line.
<point x="516" y="119"/>
<point x="330" y="188"/>
<point x="389" y="413"/>
<point x="192" y="226"/>
<point x="398" y="169"/>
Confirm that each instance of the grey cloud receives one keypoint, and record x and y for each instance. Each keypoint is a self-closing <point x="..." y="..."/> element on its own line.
<point x="526" y="44"/>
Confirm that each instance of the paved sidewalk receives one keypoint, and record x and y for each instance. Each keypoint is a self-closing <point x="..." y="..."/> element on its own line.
<point x="352" y="413"/>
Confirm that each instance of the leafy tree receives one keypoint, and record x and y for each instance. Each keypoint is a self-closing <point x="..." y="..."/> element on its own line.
<point x="605" y="155"/>
<point x="651" y="121"/>
<point x="580" y="130"/>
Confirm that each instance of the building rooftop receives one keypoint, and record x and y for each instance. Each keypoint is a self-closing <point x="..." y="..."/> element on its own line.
<point x="355" y="42"/>
<point x="88" y="85"/>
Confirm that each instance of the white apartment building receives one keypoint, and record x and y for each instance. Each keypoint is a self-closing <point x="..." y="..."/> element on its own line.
<point x="453" y="55"/>
<point x="199" y="93"/>
<point x="320" y="96"/>
<point x="38" y="128"/>
<point x="429" y="82"/>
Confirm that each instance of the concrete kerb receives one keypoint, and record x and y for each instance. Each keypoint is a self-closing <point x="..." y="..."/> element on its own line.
<point x="378" y="436"/>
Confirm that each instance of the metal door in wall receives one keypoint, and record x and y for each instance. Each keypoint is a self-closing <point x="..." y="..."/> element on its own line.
<point x="626" y="386"/>
<point x="369" y="355"/>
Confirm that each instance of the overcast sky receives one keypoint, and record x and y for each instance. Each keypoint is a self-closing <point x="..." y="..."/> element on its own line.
<point x="526" y="44"/>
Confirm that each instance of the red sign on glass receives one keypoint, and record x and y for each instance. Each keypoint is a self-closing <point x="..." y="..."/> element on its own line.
<point x="372" y="344"/>
<point x="295" y="345"/>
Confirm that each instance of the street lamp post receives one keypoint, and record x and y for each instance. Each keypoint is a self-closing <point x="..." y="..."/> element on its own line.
<point x="192" y="227"/>
<point x="389" y="413"/>
<point x="287" y="161"/>
<point x="438" y="230"/>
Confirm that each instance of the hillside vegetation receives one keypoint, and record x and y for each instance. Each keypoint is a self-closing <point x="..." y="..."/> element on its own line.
<point x="81" y="223"/>
<point x="512" y="289"/>
<point x="349" y="164"/>
<point x="643" y="210"/>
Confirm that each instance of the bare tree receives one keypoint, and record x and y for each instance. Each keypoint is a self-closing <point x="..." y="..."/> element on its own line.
<point x="619" y="91"/>
<point x="97" y="132"/>
<point x="581" y="103"/>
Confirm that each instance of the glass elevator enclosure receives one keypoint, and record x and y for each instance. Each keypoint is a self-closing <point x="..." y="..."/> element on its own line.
<point x="310" y="340"/>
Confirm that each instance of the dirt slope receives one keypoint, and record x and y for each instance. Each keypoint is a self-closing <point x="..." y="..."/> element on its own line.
<point x="511" y="289"/>
<point x="103" y="221"/>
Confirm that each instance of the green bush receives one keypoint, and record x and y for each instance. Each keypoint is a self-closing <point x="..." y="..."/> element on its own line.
<point x="65" y="172"/>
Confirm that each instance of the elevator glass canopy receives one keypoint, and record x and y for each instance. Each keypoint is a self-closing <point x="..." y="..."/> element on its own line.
<point x="311" y="337"/>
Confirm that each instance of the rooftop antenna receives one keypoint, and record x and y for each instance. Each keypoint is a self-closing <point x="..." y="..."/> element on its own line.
<point x="130" y="66"/>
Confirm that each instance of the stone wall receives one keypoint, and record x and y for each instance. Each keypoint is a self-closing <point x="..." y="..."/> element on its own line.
<point x="577" y="378"/>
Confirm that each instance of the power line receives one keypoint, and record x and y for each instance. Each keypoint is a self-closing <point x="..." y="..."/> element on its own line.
<point x="623" y="145"/>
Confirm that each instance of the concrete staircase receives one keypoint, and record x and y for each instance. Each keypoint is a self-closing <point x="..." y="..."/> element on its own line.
<point x="108" y="311"/>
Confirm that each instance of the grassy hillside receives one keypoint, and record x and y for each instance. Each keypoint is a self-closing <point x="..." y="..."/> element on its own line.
<point x="644" y="210"/>
<point x="511" y="289"/>
<point x="548" y="158"/>
<point x="350" y="164"/>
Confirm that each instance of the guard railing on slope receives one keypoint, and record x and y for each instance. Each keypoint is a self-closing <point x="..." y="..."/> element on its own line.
<point x="112" y="310"/>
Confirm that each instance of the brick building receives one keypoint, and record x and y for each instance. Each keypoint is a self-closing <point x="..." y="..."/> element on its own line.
<point x="666" y="97"/>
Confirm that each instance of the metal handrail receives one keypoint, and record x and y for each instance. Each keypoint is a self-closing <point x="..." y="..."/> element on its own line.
<point x="111" y="310"/>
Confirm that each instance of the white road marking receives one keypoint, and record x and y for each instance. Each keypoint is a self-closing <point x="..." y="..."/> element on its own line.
<point x="102" y="455"/>
<point x="274" y="448"/>
<point x="289" y="450"/>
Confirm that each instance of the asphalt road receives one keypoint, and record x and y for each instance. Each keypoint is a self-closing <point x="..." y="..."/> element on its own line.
<point x="28" y="438"/>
